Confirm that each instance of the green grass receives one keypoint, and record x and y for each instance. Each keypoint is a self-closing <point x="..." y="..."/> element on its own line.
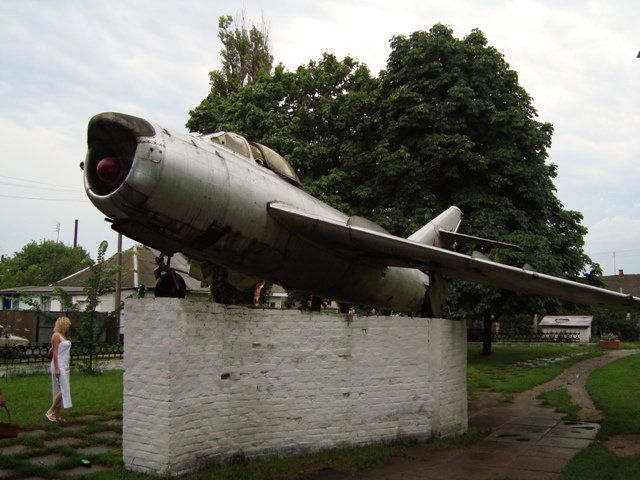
<point x="350" y="460"/>
<point x="28" y="398"/>
<point x="597" y="462"/>
<point x="516" y="369"/>
<point x="615" y="390"/>
<point x="630" y="345"/>
<point x="562" y="401"/>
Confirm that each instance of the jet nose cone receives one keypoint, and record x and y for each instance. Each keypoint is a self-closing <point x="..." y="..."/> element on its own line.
<point x="108" y="169"/>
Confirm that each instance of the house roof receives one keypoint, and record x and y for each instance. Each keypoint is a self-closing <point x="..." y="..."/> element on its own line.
<point x="139" y="263"/>
<point x="566" y="321"/>
<point x="629" y="284"/>
<point x="36" y="290"/>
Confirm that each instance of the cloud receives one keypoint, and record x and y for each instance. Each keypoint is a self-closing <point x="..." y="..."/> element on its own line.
<point x="624" y="233"/>
<point x="67" y="60"/>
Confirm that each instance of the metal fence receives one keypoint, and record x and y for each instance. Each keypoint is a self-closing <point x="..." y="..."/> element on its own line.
<point x="475" y="335"/>
<point x="37" y="353"/>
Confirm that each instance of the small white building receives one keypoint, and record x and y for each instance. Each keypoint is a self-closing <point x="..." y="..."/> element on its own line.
<point x="568" y="324"/>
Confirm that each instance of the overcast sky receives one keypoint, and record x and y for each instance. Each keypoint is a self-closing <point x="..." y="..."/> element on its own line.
<point x="63" y="61"/>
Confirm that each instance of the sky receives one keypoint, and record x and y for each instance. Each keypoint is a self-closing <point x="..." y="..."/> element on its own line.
<point x="61" y="62"/>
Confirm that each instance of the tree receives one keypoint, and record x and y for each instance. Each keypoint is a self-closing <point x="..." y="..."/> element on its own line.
<point x="460" y="130"/>
<point x="245" y="58"/>
<point x="319" y="117"/>
<point x="40" y="264"/>
<point x="447" y="123"/>
<point x="100" y="282"/>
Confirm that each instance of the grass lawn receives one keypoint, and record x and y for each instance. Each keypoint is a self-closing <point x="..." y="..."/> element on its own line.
<point x="98" y="402"/>
<point x="615" y="389"/>
<point x="516" y="369"/>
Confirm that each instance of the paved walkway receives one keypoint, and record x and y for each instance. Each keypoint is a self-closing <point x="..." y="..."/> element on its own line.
<point x="528" y="441"/>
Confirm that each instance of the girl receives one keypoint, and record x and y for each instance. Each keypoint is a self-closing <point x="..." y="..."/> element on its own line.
<point x="59" y="367"/>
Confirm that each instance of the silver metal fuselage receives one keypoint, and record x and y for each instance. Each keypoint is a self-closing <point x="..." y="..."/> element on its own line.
<point x="181" y="193"/>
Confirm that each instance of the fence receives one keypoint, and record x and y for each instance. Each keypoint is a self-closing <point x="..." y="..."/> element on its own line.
<point x="37" y="353"/>
<point x="475" y="335"/>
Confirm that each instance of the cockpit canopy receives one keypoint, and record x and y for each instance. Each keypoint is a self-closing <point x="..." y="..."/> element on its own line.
<point x="255" y="152"/>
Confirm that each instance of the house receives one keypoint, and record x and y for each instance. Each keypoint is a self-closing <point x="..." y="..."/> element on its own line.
<point x="277" y="297"/>
<point x="621" y="283"/>
<point x="138" y="262"/>
<point x="568" y="325"/>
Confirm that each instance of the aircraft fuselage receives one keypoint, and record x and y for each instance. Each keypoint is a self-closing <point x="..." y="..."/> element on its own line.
<point x="175" y="192"/>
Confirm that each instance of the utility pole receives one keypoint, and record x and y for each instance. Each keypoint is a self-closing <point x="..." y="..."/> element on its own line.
<point x="118" y="284"/>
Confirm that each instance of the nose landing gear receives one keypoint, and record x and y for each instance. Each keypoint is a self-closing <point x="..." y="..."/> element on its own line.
<point x="169" y="283"/>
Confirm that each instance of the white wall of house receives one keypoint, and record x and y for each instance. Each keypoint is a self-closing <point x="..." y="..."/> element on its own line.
<point x="585" y="332"/>
<point x="52" y="302"/>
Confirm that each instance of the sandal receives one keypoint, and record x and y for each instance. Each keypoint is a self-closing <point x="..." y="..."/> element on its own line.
<point x="50" y="417"/>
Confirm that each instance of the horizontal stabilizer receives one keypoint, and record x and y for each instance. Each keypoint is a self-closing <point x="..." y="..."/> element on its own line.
<point x="452" y="237"/>
<point x="481" y="256"/>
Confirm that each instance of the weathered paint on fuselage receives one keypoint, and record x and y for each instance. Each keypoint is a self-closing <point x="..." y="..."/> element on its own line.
<point x="184" y="194"/>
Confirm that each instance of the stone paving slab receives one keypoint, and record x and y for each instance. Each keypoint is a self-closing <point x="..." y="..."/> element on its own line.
<point x="46" y="460"/>
<point x="518" y="433"/>
<point x="543" y="451"/>
<point x="96" y="450"/>
<point x="13" y="450"/>
<point x="57" y="442"/>
<point x="107" y="434"/>
<point x="82" y="470"/>
<point x="533" y="421"/>
<point x="584" y="430"/>
<point x="578" y="443"/>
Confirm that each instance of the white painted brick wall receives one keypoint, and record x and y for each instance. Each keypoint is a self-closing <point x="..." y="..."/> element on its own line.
<point x="204" y="383"/>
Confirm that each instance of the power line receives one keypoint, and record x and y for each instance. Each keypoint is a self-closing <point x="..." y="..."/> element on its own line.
<point x="44" y="199"/>
<point x="618" y="253"/>
<point x="38" y="187"/>
<point x="38" y="183"/>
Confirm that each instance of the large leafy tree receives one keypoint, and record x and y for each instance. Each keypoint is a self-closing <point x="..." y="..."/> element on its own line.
<point x="447" y="123"/>
<point x="320" y="117"/>
<point x="39" y="264"/>
<point x="460" y="130"/>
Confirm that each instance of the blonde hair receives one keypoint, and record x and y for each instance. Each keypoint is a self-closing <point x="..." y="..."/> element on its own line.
<point x="63" y="324"/>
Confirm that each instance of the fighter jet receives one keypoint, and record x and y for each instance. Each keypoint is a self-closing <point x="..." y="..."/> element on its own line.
<point x="226" y="202"/>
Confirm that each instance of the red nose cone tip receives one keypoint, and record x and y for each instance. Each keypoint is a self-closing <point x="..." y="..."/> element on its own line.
<point x="109" y="169"/>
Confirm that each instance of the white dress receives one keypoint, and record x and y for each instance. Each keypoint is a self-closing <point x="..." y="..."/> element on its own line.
<point x="64" y="357"/>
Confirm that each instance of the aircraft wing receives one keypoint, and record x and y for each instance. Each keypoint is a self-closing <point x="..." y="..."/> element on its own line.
<point x="394" y="251"/>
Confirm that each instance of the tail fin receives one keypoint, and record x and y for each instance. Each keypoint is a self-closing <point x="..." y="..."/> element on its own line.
<point x="431" y="233"/>
<point x="442" y="231"/>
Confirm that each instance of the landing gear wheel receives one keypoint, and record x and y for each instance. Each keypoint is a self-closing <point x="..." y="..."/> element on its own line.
<point x="433" y="305"/>
<point x="170" y="285"/>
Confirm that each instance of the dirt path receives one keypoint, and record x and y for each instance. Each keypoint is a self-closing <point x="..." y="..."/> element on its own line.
<point x="574" y="379"/>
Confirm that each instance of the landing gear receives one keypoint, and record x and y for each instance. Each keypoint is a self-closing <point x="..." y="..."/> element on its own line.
<point x="169" y="283"/>
<point x="435" y="297"/>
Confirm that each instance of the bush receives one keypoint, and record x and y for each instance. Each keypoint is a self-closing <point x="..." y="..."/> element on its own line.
<point x="626" y="327"/>
<point x="516" y="324"/>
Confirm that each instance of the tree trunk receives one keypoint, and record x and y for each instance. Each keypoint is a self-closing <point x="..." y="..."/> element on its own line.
<point x="316" y="303"/>
<point x="487" y="323"/>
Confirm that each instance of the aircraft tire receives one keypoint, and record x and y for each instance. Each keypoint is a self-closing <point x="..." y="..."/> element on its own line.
<point x="435" y="297"/>
<point x="171" y="286"/>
